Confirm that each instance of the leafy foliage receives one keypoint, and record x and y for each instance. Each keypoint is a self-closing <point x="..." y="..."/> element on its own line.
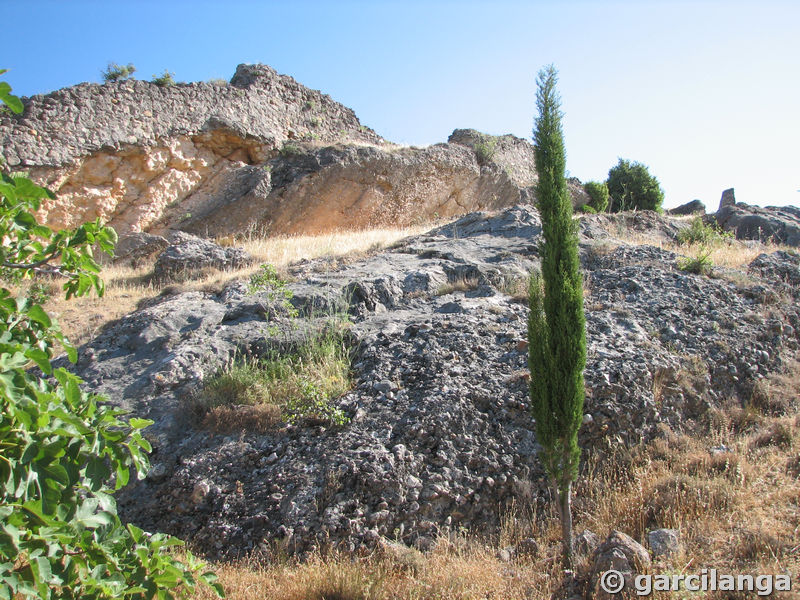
<point x="556" y="323"/>
<point x="65" y="452"/>
<point x="598" y="194"/>
<point x="267" y="279"/>
<point x="630" y="186"/>
<point x="115" y="72"/>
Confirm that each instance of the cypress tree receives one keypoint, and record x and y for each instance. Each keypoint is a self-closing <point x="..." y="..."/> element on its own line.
<point x="556" y="323"/>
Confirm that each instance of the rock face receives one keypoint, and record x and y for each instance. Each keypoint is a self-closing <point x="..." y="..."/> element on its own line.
<point x="261" y="153"/>
<point x="779" y="224"/>
<point x="315" y="190"/>
<point x="440" y="434"/>
<point x="125" y="151"/>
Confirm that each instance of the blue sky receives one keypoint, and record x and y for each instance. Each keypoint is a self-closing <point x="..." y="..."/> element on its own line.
<point x="704" y="93"/>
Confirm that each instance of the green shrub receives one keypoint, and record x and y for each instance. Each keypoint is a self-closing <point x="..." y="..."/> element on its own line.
<point x="115" y="72"/>
<point x="266" y="279"/>
<point x="586" y="208"/>
<point x="701" y="233"/>
<point x="630" y="186"/>
<point x="65" y="451"/>
<point x="165" y="79"/>
<point x="598" y="194"/>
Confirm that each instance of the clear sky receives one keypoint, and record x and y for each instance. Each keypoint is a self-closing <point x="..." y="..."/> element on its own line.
<point x="705" y="93"/>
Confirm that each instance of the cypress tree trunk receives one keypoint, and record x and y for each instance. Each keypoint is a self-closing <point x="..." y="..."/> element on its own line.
<point x="565" y="502"/>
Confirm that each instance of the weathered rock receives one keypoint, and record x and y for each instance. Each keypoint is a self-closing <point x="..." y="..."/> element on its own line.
<point x="188" y="254"/>
<point x="728" y="199"/>
<point x="262" y="153"/>
<point x="128" y="150"/>
<point x="664" y="542"/>
<point x="440" y="435"/>
<point x="324" y="189"/>
<point x="586" y="542"/>
<point x="781" y="268"/>
<point x="621" y="553"/>
<point x="135" y="248"/>
<point x="690" y="208"/>
<point x="779" y="224"/>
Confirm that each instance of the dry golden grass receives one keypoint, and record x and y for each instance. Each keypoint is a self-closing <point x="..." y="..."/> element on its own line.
<point x="732" y="254"/>
<point x="83" y="318"/>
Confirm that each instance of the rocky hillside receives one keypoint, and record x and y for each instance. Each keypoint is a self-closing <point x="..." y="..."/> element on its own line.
<point x="260" y="153"/>
<point x="439" y="434"/>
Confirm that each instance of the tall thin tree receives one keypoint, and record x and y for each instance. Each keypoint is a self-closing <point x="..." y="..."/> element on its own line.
<point x="556" y="323"/>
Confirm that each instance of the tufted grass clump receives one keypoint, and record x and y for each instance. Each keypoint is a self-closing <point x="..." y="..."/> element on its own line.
<point x="295" y="387"/>
<point x="700" y="264"/>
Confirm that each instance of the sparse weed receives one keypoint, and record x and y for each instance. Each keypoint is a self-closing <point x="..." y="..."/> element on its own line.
<point x="115" y="72"/>
<point x="166" y="79"/>
<point x="701" y="264"/>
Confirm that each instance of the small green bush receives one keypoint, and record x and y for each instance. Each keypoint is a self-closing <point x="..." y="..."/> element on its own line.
<point x="598" y="192"/>
<point x="630" y="186"/>
<point x="701" y="233"/>
<point x="115" y="72"/>
<point x="266" y="279"/>
<point x="165" y="79"/>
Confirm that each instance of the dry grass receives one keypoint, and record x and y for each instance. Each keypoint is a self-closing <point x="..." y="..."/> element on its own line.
<point x="463" y="284"/>
<point x="126" y="288"/>
<point x="729" y="253"/>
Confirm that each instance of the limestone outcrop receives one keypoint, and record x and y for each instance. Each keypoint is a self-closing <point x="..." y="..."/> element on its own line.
<point x="125" y="151"/>
<point x="260" y="153"/>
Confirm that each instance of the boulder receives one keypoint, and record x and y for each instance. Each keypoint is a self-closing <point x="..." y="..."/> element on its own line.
<point x="621" y="553"/>
<point x="728" y="199"/>
<point x="690" y="208"/>
<point x="188" y="254"/>
<point x="664" y="542"/>
<point x="136" y="247"/>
